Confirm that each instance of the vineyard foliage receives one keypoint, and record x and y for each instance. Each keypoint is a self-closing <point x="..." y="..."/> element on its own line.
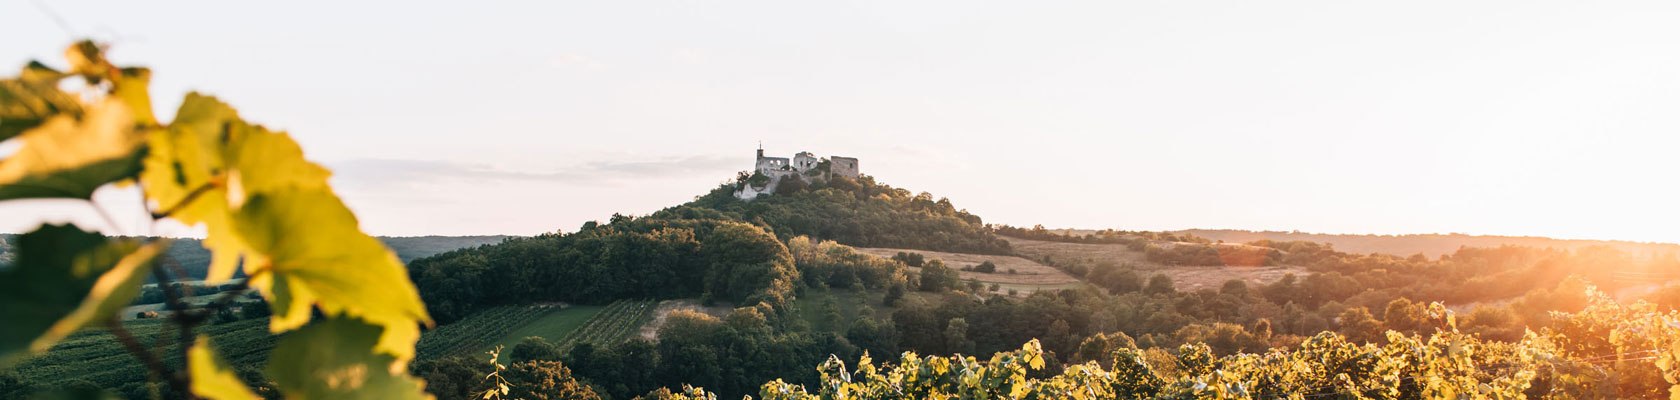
<point x="266" y="210"/>
<point x="619" y="322"/>
<point x="1609" y="350"/>
<point x="467" y="336"/>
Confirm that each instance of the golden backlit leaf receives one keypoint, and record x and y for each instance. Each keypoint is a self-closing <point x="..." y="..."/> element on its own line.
<point x="212" y="377"/>
<point x="336" y="358"/>
<point x="315" y="252"/>
<point x="70" y="158"/>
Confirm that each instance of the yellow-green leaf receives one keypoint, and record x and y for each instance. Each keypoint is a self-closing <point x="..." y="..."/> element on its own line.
<point x="335" y="358"/>
<point x="212" y="378"/>
<point x="265" y="161"/>
<point x="66" y="278"/>
<point x="188" y="157"/>
<point x="67" y="157"/>
<point x="315" y="254"/>
<point x="31" y="98"/>
<point x="133" y="88"/>
<point x="88" y="59"/>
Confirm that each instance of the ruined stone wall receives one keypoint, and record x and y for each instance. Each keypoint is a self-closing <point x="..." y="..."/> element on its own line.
<point x="843" y="166"/>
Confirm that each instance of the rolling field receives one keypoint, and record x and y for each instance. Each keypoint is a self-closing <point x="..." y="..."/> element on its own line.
<point x="1184" y="277"/>
<point x="95" y="355"/>
<point x="1029" y="276"/>
<point x="554" y="327"/>
<point x="563" y="325"/>
<point x="482" y="330"/>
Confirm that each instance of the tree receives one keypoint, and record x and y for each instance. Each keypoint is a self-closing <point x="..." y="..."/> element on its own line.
<point x="546" y="380"/>
<point x="1160" y="284"/>
<point x="1234" y="287"/>
<point x="895" y="292"/>
<point x="936" y="277"/>
<point x="534" y="348"/>
<point x="956" y="337"/>
<point x="453" y="377"/>
<point x="1059" y="337"/>
<point x="1404" y="315"/>
<point x="1359" y="326"/>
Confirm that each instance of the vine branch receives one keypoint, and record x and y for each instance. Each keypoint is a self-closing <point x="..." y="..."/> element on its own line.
<point x="193" y="195"/>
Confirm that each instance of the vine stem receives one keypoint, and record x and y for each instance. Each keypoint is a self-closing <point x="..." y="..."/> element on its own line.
<point x="179" y="316"/>
<point x="193" y="195"/>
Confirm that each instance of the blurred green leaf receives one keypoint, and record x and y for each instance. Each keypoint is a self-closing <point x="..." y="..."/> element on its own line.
<point x="33" y="96"/>
<point x="70" y="158"/>
<point x="66" y="278"/>
<point x="334" y="358"/>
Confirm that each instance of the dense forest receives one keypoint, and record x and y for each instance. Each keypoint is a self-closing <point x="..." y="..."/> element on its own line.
<point x="675" y="253"/>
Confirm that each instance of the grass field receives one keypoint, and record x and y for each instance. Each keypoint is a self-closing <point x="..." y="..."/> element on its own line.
<point x="554" y="326"/>
<point x="851" y="303"/>
<point x="1030" y="276"/>
<point x="1184" y="277"/>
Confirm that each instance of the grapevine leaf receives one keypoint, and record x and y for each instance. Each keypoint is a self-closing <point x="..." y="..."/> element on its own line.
<point x="315" y="254"/>
<point x="336" y="358"/>
<point x="133" y="88"/>
<point x="212" y="377"/>
<point x="63" y="279"/>
<point x="66" y="157"/>
<point x="188" y="157"/>
<point x="29" y="99"/>
<point x="88" y="59"/>
<point x="265" y="161"/>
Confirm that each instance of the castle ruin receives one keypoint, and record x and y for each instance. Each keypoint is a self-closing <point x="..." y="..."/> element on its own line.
<point x="804" y="165"/>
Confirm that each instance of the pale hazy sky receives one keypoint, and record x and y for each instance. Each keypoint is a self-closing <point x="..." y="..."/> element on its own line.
<point x="1517" y="117"/>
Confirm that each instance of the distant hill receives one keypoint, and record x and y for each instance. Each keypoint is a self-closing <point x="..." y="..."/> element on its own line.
<point x="195" y="259"/>
<point x="862" y="213"/>
<point x="1432" y="245"/>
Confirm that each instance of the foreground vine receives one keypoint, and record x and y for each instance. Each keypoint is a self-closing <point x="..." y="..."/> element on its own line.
<point x="345" y="301"/>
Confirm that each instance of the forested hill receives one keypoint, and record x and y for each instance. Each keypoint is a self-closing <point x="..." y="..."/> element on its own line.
<point x="862" y="213"/>
<point x="1431" y="245"/>
<point x="680" y="252"/>
<point x="716" y="247"/>
<point x="195" y="259"/>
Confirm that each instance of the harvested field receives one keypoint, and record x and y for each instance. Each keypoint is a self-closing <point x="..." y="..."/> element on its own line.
<point x="1030" y="276"/>
<point x="1193" y="278"/>
<point x="1116" y="253"/>
<point x="1184" y="277"/>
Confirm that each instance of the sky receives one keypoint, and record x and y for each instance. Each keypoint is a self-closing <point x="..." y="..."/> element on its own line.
<point x="1545" y="118"/>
